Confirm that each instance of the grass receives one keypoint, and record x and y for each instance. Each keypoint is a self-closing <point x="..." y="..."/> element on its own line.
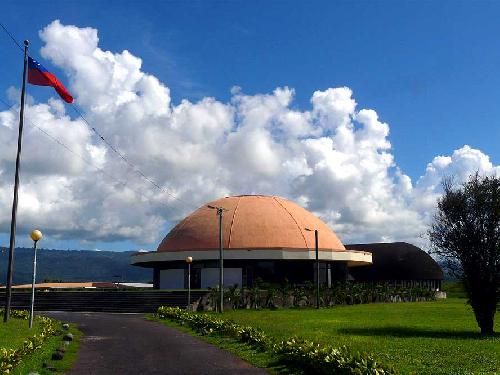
<point x="35" y="361"/>
<point x="438" y="337"/>
<point x="13" y="333"/>
<point x="454" y="289"/>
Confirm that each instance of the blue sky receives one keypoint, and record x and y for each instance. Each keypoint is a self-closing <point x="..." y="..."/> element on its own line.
<point x="429" y="69"/>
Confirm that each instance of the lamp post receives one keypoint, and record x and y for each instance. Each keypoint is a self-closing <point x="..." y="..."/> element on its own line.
<point x="36" y="236"/>
<point x="220" y="211"/>
<point x="317" y="264"/>
<point x="189" y="260"/>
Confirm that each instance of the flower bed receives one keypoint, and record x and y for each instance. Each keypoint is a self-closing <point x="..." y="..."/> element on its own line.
<point x="299" y="353"/>
<point x="10" y="358"/>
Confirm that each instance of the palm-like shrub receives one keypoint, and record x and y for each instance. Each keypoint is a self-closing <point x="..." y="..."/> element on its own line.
<point x="345" y="293"/>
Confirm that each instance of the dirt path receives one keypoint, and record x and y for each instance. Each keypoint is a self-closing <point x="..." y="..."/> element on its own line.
<point x="122" y="344"/>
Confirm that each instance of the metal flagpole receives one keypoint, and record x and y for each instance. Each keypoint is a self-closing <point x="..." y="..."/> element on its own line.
<point x="8" y="290"/>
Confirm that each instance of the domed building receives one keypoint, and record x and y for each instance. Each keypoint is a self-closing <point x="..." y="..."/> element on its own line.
<point x="398" y="263"/>
<point x="265" y="238"/>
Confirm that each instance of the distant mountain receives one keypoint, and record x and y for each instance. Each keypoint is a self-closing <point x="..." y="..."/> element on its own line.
<point x="73" y="265"/>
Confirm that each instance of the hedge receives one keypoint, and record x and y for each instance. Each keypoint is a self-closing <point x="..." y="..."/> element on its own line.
<point x="307" y="355"/>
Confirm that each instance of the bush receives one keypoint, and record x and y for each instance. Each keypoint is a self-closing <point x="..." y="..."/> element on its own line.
<point x="17" y="314"/>
<point x="346" y="293"/>
<point x="206" y="325"/>
<point x="319" y="359"/>
<point x="306" y="355"/>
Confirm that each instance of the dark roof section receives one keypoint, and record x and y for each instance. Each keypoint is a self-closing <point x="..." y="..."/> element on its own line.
<point x="396" y="261"/>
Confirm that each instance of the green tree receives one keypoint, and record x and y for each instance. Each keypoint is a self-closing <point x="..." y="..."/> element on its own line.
<point x="466" y="234"/>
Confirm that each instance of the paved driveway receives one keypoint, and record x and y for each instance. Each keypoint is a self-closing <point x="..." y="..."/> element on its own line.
<point x="122" y="344"/>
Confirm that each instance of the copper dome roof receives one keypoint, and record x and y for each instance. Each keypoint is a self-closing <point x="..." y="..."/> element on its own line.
<point x="251" y="222"/>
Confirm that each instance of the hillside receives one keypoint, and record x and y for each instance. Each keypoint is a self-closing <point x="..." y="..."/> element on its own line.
<point x="73" y="265"/>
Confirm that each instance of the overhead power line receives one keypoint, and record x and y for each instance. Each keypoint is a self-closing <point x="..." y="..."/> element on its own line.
<point x="11" y="37"/>
<point x="126" y="160"/>
<point x="111" y="146"/>
<point x="85" y="160"/>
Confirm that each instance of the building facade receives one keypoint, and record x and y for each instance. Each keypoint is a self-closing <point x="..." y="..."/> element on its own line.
<point x="265" y="238"/>
<point x="398" y="263"/>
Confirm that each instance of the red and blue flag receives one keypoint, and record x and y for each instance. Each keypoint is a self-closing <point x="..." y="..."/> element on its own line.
<point x="38" y="75"/>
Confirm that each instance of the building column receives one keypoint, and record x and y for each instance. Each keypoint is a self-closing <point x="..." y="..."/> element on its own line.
<point x="156" y="278"/>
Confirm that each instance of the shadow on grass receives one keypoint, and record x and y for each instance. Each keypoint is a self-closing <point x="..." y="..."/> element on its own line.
<point x="415" y="332"/>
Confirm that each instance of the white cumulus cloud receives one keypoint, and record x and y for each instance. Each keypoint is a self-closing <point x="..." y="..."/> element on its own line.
<point x="335" y="157"/>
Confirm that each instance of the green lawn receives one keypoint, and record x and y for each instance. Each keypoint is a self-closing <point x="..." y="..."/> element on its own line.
<point x="15" y="331"/>
<point x="454" y="289"/>
<point x="424" y="338"/>
<point x="34" y="362"/>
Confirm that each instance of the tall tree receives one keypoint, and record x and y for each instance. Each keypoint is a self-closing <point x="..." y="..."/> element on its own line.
<point x="466" y="234"/>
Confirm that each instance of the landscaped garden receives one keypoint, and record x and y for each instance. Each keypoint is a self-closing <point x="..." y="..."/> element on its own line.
<point x="438" y="337"/>
<point x="47" y="348"/>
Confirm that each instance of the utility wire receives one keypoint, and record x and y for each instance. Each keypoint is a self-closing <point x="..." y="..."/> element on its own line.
<point x="9" y="106"/>
<point x="110" y="146"/>
<point x="85" y="160"/>
<point x="11" y="37"/>
<point x="127" y="161"/>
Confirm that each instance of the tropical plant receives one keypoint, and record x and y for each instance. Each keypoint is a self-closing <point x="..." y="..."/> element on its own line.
<point x="466" y="234"/>
<point x="305" y="295"/>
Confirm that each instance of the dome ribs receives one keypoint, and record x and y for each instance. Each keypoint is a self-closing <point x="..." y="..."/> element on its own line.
<point x="295" y="221"/>
<point x="177" y="229"/>
<point x="232" y="222"/>
<point x="257" y="222"/>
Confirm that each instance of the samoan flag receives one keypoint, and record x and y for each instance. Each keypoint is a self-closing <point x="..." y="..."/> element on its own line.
<point x="38" y="75"/>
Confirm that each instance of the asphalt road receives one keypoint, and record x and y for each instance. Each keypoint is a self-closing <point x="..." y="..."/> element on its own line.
<point x="122" y="344"/>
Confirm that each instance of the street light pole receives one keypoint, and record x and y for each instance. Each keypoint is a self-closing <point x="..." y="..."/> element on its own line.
<point x="220" y="211"/>
<point x="189" y="260"/>
<point x="36" y="236"/>
<point x="221" y="266"/>
<point x="317" y="264"/>
<point x="317" y="267"/>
